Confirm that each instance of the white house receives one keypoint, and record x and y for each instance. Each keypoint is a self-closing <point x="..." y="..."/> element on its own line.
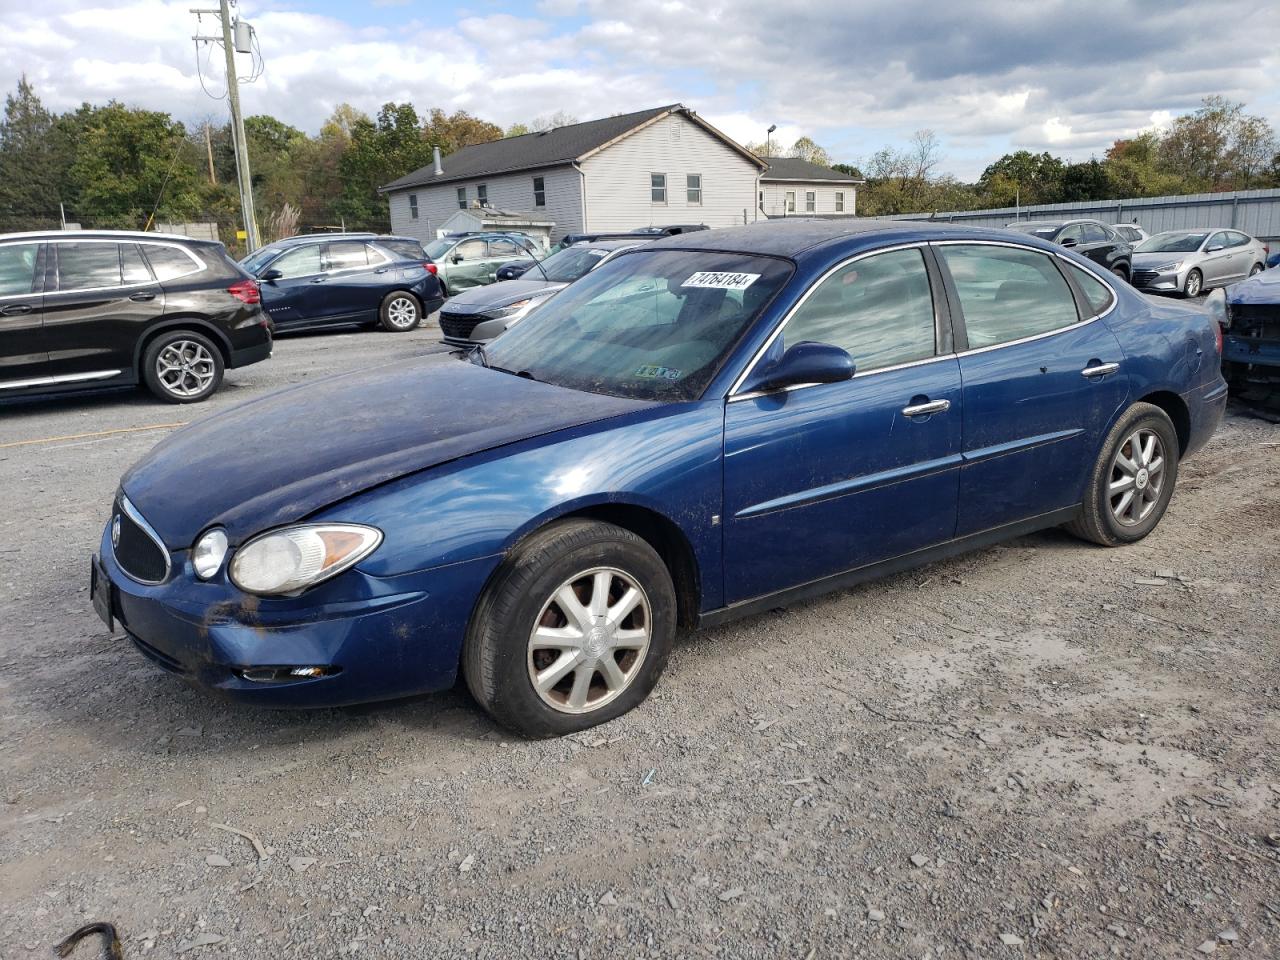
<point x="660" y="166"/>
<point x="798" y="188"/>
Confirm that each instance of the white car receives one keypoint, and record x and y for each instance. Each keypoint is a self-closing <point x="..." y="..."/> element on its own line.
<point x="1130" y="232"/>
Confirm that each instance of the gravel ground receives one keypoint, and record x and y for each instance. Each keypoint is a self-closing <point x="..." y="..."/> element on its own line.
<point x="1043" y="749"/>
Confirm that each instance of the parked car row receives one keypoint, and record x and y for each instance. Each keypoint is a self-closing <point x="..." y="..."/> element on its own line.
<point x="1187" y="262"/>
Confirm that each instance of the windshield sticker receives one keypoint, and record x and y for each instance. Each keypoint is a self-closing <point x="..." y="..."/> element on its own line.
<point x="651" y="372"/>
<point x="717" y="280"/>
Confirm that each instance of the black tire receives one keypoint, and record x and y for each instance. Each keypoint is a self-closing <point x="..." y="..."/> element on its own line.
<point x="1121" y="272"/>
<point x="198" y="378"/>
<point x="400" y="312"/>
<point x="1097" y="520"/>
<point x="497" y="660"/>
<point x="1196" y="284"/>
<point x="1256" y="269"/>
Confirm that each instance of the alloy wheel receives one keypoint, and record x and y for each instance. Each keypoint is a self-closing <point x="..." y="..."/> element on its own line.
<point x="402" y="312"/>
<point x="1193" y="284"/>
<point x="590" y="640"/>
<point x="1137" y="477"/>
<point x="185" y="368"/>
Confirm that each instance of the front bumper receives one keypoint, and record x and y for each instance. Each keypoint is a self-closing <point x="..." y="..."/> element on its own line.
<point x="382" y="637"/>
<point x="1155" y="282"/>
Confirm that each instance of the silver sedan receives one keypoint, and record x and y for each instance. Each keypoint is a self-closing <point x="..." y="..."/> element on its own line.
<point x="1193" y="261"/>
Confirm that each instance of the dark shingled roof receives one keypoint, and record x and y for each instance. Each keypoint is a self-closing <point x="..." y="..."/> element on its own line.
<point x="791" y="168"/>
<point x="533" y="150"/>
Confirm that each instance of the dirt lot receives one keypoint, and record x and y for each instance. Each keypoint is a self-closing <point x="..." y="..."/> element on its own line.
<point x="1024" y="752"/>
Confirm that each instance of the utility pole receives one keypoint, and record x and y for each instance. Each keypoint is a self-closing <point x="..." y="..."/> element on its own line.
<point x="237" y="124"/>
<point x="208" y="146"/>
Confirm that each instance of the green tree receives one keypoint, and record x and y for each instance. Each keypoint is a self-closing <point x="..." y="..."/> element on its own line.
<point x="1025" y="176"/>
<point x="380" y="151"/>
<point x="460" y="129"/>
<point x="30" y="165"/>
<point x="806" y="149"/>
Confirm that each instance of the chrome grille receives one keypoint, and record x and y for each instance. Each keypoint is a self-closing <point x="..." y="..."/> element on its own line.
<point x="137" y="548"/>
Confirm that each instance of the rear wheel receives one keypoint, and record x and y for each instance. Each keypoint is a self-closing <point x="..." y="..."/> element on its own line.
<point x="574" y="630"/>
<point x="1194" y="284"/>
<point x="1121" y="272"/>
<point x="1132" y="481"/>
<point x="1255" y="270"/>
<point x="181" y="366"/>
<point x="400" y="312"/>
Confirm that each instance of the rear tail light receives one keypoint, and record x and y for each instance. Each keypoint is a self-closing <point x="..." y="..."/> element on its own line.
<point x="246" y="291"/>
<point x="1217" y="337"/>
<point x="430" y="267"/>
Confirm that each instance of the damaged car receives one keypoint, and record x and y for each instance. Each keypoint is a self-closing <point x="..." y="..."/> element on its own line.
<point x="706" y="427"/>
<point x="1250" y="316"/>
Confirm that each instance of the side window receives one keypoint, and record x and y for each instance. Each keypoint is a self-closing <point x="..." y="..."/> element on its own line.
<point x="879" y="309"/>
<point x="1074" y="232"/>
<point x="18" y="268"/>
<point x="1219" y="239"/>
<point x="1238" y="239"/>
<point x="791" y="201"/>
<point x="1007" y="294"/>
<point x="641" y="301"/>
<point x="462" y="198"/>
<point x="84" y="266"/>
<point x="132" y="267"/>
<point x="539" y="191"/>
<point x="470" y="250"/>
<point x="347" y="255"/>
<point x="810" y="200"/>
<point x="482" y="194"/>
<point x="168" y="263"/>
<point x="1094" y="233"/>
<point x="413" y="206"/>
<point x="693" y="188"/>
<point x="303" y="262"/>
<point x="1095" y="291"/>
<point x="504" y="248"/>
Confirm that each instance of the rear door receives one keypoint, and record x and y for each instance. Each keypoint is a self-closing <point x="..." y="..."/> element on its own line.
<point x="1216" y="265"/>
<point x="355" y="277"/>
<point x="503" y="250"/>
<point x="1098" y="244"/>
<point x="23" y="355"/>
<point x="102" y="298"/>
<point x="1042" y="380"/>
<point x="825" y="478"/>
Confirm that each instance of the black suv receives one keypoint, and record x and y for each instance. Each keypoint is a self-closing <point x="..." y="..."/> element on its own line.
<point x="107" y="308"/>
<point x="1089" y="238"/>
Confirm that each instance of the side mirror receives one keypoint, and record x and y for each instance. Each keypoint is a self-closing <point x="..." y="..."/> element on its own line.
<point x="806" y="362"/>
<point x="1069" y="242"/>
<point x="270" y="275"/>
<point x="1214" y="248"/>
<point x="456" y="258"/>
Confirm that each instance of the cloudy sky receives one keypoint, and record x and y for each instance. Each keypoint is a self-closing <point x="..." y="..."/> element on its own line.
<point x="988" y="76"/>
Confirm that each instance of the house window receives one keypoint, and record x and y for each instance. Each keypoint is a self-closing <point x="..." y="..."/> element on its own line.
<point x="413" y="206"/>
<point x="539" y="192"/>
<point x="839" y="201"/>
<point x="462" y="198"/>
<point x="482" y="194"/>
<point x="658" y="187"/>
<point x="810" y="201"/>
<point x="693" y="188"/>
<point x="791" y="201"/>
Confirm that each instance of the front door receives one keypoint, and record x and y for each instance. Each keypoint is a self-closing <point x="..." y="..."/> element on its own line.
<point x="356" y="278"/>
<point x="1216" y="265"/>
<point x="829" y="477"/>
<point x="469" y="265"/>
<point x="294" y="298"/>
<point x="23" y="355"/>
<point x="101" y="296"/>
<point x="1041" y="385"/>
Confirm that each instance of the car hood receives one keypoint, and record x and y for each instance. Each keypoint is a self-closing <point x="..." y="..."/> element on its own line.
<point x="1149" y="260"/>
<point x="495" y="295"/>
<point x="281" y="458"/>
<point x="1263" y="287"/>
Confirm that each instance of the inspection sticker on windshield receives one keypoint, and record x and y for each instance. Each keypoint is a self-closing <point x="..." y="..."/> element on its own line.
<point x="718" y="280"/>
<point x="651" y="371"/>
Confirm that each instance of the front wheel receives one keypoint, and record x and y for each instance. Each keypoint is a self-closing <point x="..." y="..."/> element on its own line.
<point x="400" y="312"/>
<point x="574" y="630"/>
<point x="182" y="366"/>
<point x="1132" y="481"/>
<point x="1195" y="283"/>
<point x="1121" y="272"/>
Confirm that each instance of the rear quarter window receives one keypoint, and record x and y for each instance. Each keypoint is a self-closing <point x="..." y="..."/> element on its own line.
<point x="1095" y="291"/>
<point x="169" y="263"/>
<point x="1008" y="294"/>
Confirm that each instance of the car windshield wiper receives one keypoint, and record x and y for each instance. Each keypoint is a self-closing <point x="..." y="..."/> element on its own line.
<point x="478" y="351"/>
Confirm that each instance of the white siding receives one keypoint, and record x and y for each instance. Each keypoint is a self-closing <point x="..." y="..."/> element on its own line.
<point x="512" y="191"/>
<point x="775" y="194"/>
<point x="618" y="196"/>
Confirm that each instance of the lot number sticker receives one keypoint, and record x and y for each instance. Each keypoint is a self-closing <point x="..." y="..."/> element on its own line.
<point x="717" y="280"/>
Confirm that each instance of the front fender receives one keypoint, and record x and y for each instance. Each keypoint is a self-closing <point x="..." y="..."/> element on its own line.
<point x="667" y="460"/>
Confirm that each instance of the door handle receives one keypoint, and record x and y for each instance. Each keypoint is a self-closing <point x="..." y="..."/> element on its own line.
<point x="14" y="309"/>
<point x="1099" y="370"/>
<point x="382" y="270"/>
<point x="142" y="297"/>
<point x="925" y="409"/>
<point x="318" y="279"/>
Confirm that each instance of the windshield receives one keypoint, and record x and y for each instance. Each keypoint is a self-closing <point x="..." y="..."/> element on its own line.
<point x="1036" y="229"/>
<point x="438" y="248"/>
<point x="259" y="258"/>
<point x="571" y="263"/>
<point x="653" y="325"/>
<point x="1172" y="243"/>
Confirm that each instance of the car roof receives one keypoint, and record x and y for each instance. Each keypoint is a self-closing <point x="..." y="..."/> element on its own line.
<point x="100" y="235"/>
<point x="615" y="243"/>
<point x="303" y="238"/>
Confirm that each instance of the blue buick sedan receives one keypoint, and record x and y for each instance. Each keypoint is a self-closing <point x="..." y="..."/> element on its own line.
<point x="705" y="427"/>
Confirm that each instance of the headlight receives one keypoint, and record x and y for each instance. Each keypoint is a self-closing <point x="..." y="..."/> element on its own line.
<point x="293" y="558"/>
<point x="517" y="309"/>
<point x="208" y="553"/>
<point x="1172" y="265"/>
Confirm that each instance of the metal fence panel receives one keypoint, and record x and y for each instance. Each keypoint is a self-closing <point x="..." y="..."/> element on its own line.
<point x="1256" y="212"/>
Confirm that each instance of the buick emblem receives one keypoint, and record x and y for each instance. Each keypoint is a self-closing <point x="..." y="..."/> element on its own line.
<point x="115" y="530"/>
